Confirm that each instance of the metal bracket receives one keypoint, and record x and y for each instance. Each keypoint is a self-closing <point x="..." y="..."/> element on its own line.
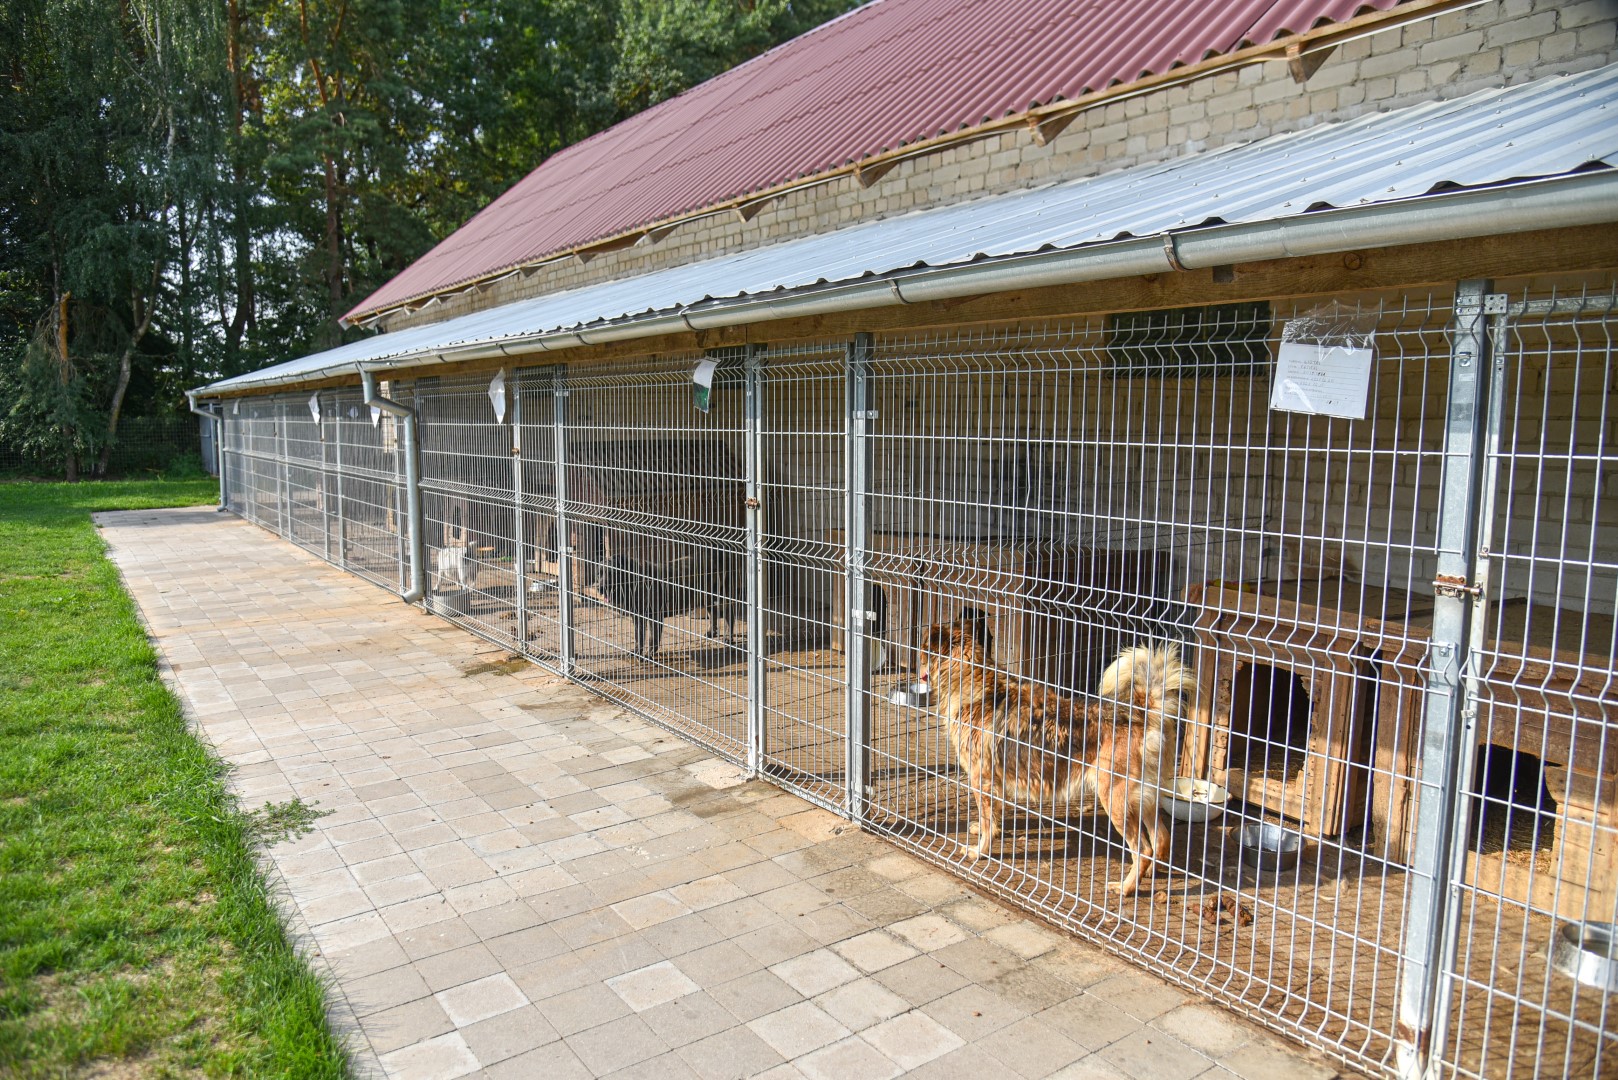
<point x="863" y="613"/>
<point x="1488" y="304"/>
<point x="1455" y="587"/>
<point x="865" y="414"/>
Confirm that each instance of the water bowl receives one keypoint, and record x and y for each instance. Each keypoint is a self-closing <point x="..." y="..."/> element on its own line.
<point x="1587" y="952"/>
<point x="1193" y="800"/>
<point x="1270" y="847"/>
<point x="918" y="694"/>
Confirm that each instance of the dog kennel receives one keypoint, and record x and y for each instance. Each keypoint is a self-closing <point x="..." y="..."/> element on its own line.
<point x="1090" y="484"/>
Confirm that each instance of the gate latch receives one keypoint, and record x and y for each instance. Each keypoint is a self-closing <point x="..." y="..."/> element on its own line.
<point x="1454" y="587"/>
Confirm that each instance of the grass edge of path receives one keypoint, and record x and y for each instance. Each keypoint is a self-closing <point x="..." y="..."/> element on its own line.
<point x="271" y="1005"/>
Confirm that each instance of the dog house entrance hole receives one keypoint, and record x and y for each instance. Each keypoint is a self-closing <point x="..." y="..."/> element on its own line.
<point x="1513" y="812"/>
<point x="1269" y="722"/>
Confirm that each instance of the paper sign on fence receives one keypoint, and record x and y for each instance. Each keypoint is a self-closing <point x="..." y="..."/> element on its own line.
<point x="1326" y="380"/>
<point x="702" y="384"/>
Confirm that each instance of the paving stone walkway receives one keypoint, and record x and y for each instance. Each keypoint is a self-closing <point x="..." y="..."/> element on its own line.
<point x="514" y="878"/>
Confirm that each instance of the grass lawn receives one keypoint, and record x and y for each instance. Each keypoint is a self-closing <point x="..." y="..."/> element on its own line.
<point x="136" y="935"/>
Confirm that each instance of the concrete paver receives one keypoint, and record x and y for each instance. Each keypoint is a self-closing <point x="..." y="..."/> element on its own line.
<point x="517" y="879"/>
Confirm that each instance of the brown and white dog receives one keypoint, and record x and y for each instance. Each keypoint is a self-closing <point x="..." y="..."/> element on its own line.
<point x="1015" y="738"/>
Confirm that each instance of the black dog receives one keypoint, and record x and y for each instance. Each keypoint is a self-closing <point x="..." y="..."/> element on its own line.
<point x="651" y="595"/>
<point x="645" y="596"/>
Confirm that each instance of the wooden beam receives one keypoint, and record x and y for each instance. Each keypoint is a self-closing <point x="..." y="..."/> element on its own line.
<point x="1047" y="127"/>
<point x="616" y="243"/>
<point x="1304" y="64"/>
<point x="868" y="173"/>
<point x="747" y="211"/>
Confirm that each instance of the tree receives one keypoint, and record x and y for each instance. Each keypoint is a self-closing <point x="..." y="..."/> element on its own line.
<point x="108" y="136"/>
<point x="665" y="47"/>
<point x="194" y="189"/>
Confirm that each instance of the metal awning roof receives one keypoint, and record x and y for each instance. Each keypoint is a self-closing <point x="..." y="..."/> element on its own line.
<point x="1420" y="155"/>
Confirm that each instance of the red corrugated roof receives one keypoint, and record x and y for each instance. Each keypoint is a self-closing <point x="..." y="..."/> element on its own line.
<point x="888" y="74"/>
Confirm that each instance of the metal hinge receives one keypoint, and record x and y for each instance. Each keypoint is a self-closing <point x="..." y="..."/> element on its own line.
<point x="1455" y="586"/>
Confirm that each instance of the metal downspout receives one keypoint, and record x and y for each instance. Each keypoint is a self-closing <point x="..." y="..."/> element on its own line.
<point x="412" y="482"/>
<point x="218" y="443"/>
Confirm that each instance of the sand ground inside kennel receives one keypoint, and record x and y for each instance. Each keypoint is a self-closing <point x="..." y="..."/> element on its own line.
<point x="513" y="877"/>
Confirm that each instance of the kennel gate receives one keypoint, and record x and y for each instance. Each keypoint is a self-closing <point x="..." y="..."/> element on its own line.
<point x="1445" y="751"/>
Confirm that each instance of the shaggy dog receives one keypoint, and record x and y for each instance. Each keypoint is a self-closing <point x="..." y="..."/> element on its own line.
<point x="1014" y="738"/>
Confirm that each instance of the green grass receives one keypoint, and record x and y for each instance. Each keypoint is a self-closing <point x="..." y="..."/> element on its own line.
<point x="136" y="935"/>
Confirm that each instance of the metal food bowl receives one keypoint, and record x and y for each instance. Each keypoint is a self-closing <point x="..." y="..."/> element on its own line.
<point x="1270" y="847"/>
<point x="1588" y="953"/>
<point x="911" y="693"/>
<point x="1193" y="800"/>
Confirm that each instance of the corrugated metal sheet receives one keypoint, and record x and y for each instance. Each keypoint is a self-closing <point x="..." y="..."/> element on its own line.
<point x="884" y="76"/>
<point x="1542" y="129"/>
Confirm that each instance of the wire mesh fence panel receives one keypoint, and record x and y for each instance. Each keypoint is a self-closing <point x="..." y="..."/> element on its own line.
<point x="153" y="444"/>
<point x="303" y="447"/>
<point x="537" y="391"/>
<point x="1048" y="501"/>
<point x="1537" y="859"/>
<point x="469" y="514"/>
<point x="804" y="599"/>
<point x="144" y="445"/>
<point x="233" y="460"/>
<point x="655" y="508"/>
<point x="368" y="490"/>
<point x="262" y="473"/>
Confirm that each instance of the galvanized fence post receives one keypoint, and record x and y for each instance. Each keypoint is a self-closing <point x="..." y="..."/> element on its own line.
<point x="283" y="492"/>
<point x="400" y="518"/>
<point x="1449" y="721"/>
<point x="753" y="558"/>
<point x="564" y="537"/>
<point x="519" y="563"/>
<point x="856" y="606"/>
<point x="221" y="459"/>
<point x="337" y="455"/>
<point x="323" y="503"/>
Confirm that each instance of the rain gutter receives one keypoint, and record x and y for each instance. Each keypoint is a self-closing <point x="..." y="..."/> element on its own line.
<point x="218" y="441"/>
<point x="412" y="484"/>
<point x="1561" y="202"/>
<point x="1585" y="199"/>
